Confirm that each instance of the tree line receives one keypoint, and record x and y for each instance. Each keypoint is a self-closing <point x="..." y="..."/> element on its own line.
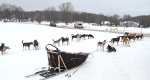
<point x="66" y="13"/>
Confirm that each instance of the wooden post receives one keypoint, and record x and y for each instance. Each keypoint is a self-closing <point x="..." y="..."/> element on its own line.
<point x="63" y="62"/>
<point x="60" y="59"/>
<point x="59" y="63"/>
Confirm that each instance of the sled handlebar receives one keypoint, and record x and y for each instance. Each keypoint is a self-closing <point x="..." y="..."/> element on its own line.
<point x="46" y="47"/>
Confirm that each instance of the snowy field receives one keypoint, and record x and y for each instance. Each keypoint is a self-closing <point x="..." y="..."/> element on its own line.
<point x="128" y="63"/>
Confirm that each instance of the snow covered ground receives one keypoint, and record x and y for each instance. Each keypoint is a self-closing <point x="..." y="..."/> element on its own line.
<point x="105" y="28"/>
<point x="128" y="63"/>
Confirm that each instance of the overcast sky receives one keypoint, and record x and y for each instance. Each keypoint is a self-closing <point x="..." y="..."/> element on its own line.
<point x="107" y="7"/>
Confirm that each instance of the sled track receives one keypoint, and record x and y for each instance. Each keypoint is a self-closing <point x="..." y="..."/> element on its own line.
<point x="117" y="32"/>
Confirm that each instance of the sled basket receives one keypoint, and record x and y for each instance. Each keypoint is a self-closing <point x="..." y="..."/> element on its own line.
<point x="69" y="60"/>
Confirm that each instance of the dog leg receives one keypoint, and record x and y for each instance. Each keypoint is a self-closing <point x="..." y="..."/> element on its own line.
<point x="28" y="47"/>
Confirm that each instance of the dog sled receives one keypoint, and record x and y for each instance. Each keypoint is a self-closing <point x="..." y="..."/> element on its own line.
<point x="61" y="61"/>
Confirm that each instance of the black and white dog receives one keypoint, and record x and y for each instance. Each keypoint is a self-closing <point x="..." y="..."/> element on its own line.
<point x="3" y="48"/>
<point x="56" y="41"/>
<point x="113" y="40"/>
<point x="36" y="44"/>
<point x="101" y="44"/>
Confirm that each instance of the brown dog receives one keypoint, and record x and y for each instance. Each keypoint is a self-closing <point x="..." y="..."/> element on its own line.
<point x="125" y="40"/>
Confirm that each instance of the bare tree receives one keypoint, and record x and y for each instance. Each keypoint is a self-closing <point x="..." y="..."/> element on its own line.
<point x="10" y="7"/>
<point x="38" y="16"/>
<point x="115" y="20"/>
<point x="126" y="17"/>
<point x="66" y="9"/>
<point x="9" y="11"/>
<point x="51" y="11"/>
